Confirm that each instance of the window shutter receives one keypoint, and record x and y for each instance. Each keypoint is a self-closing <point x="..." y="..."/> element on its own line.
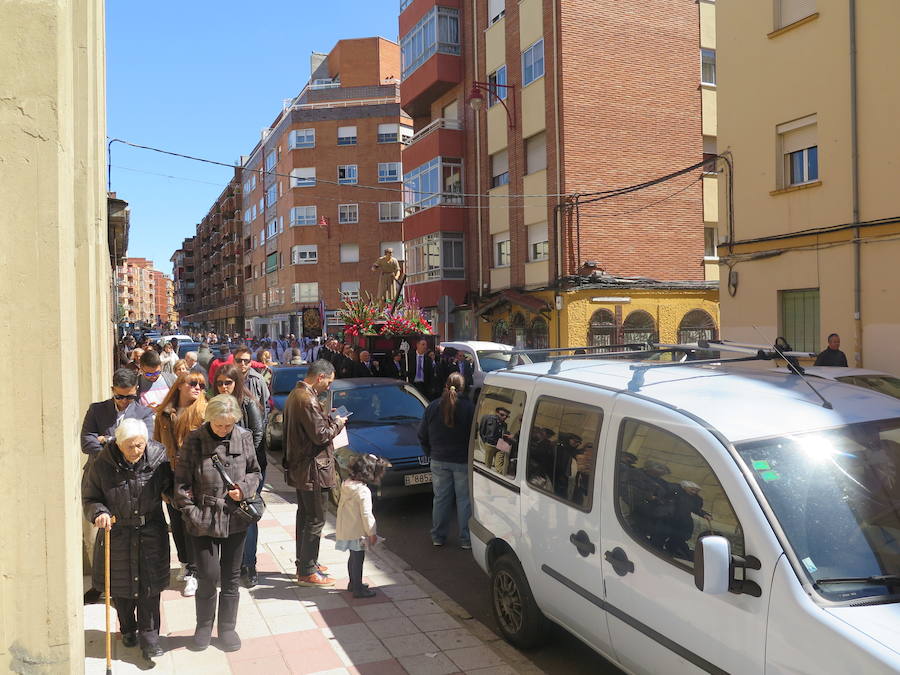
<point x="384" y="129"/>
<point x="798" y="134"/>
<point x="791" y="11"/>
<point x="346" y="132"/>
<point x="537" y="233"/>
<point x="499" y="163"/>
<point x="536" y="153"/>
<point x="495" y="10"/>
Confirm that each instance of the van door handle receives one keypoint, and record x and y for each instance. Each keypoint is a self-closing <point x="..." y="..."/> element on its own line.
<point x="619" y="560"/>
<point x="583" y="543"/>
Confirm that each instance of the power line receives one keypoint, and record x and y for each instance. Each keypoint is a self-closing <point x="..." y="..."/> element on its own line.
<point x="658" y="201"/>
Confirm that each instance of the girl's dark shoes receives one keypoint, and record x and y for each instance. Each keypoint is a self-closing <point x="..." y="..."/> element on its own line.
<point x="363" y="591"/>
<point x="229" y="640"/>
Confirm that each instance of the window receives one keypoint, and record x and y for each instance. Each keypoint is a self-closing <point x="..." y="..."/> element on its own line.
<point x="349" y="290"/>
<point x="538" y="335"/>
<point x="438" y="181"/>
<point x="499" y="420"/>
<point x="348" y="213"/>
<point x="271" y="160"/>
<point x="250" y="183"/>
<point x="247" y="216"/>
<point x="708" y="66"/>
<point x="272" y="195"/>
<point x="303" y="177"/>
<point x="248" y="244"/>
<point x="303" y="215"/>
<point x="791" y="11"/>
<point x="800" y="318"/>
<point x="496" y="93"/>
<point x="439" y="255"/>
<point x="709" y="242"/>
<point x="304" y="254"/>
<point x="709" y="154"/>
<point x="496" y="10"/>
<point x="302" y="138"/>
<point x="499" y="169"/>
<point x="271" y="262"/>
<point x="501" y="250"/>
<point x="347" y="174"/>
<point x="349" y="253"/>
<point x="602" y="329"/>
<point x="248" y="272"/>
<point x="538" y="242"/>
<point x="275" y="226"/>
<point x="536" y="153"/>
<point x="562" y="450"/>
<point x="696" y="325"/>
<point x="396" y="246"/>
<point x="305" y="292"/>
<point x="262" y="237"/>
<point x="436" y="32"/>
<point x="389" y="212"/>
<point x="533" y="63"/>
<point x="798" y="141"/>
<point x="638" y="327"/>
<point x="390" y="172"/>
<point x="392" y="133"/>
<point x="346" y="136"/>
<point x="667" y="496"/>
<point x="276" y="296"/>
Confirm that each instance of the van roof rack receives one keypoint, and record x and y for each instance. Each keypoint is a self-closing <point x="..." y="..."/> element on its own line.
<point x="631" y="349"/>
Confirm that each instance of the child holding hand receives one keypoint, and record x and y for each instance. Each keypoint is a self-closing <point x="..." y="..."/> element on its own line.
<point x="355" y="520"/>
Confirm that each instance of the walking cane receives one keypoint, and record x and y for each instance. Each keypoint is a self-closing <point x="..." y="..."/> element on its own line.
<point x="106" y="588"/>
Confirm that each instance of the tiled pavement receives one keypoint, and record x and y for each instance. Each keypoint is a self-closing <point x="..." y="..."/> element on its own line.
<point x="409" y="627"/>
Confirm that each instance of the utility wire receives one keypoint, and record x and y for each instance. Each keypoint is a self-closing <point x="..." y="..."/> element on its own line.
<point x="654" y="203"/>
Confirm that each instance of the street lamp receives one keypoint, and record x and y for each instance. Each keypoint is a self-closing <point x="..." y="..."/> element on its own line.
<point x="476" y="98"/>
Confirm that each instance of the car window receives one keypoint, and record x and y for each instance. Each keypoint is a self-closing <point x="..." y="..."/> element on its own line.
<point x="883" y="384"/>
<point x="379" y="404"/>
<point x="285" y="379"/>
<point x="667" y="496"/>
<point x="498" y="427"/>
<point x="562" y="449"/>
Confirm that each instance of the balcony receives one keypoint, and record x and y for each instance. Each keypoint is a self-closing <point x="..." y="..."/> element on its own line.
<point x="430" y="49"/>
<point x="442" y="138"/>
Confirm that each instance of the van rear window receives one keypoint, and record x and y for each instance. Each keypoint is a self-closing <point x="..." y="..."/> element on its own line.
<point x="498" y="424"/>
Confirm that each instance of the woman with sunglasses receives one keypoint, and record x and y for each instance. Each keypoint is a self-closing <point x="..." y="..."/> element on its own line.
<point x="229" y="380"/>
<point x="179" y="413"/>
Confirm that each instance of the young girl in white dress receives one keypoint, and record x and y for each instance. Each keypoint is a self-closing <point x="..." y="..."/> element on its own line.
<point x="355" y="520"/>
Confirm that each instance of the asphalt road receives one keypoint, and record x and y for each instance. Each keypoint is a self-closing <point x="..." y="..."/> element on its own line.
<point x="406" y="523"/>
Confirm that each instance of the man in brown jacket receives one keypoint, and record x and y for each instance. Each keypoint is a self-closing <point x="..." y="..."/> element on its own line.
<point x="309" y="461"/>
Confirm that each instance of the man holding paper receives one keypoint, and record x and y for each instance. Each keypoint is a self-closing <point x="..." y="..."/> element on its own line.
<point x="310" y="436"/>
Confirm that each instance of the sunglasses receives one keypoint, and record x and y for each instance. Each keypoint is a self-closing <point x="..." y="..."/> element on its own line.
<point x="244" y="360"/>
<point x="153" y="374"/>
<point x="195" y="385"/>
<point x="122" y="397"/>
<point x="224" y="383"/>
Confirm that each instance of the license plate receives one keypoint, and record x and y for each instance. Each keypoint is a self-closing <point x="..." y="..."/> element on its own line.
<point x="416" y="478"/>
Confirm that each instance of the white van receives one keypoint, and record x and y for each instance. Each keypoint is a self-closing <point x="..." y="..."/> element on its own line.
<point x="691" y="518"/>
<point x="485" y="357"/>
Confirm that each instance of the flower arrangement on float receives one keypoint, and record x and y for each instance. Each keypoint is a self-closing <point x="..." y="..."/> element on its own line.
<point x="370" y="316"/>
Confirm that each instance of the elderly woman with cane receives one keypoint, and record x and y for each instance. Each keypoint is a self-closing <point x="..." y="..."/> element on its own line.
<point x="209" y="508"/>
<point x="122" y="493"/>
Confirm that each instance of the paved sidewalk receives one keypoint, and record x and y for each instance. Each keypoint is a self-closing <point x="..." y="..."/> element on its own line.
<point x="409" y="627"/>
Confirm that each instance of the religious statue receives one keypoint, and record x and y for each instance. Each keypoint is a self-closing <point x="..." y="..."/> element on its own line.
<point x="388" y="268"/>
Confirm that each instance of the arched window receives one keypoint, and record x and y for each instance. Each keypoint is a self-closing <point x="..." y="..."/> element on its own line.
<point x="538" y="335"/>
<point x="500" y="331"/>
<point x="639" y="326"/>
<point x="697" y="325"/>
<point x="518" y="331"/>
<point x="602" y="328"/>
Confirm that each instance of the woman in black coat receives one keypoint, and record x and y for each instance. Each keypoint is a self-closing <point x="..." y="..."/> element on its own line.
<point x="127" y="480"/>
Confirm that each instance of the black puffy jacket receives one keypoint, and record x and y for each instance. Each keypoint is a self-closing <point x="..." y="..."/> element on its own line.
<point x="139" y="540"/>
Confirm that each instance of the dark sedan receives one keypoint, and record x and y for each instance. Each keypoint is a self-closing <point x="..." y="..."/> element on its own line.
<point x="385" y="422"/>
<point x="284" y="379"/>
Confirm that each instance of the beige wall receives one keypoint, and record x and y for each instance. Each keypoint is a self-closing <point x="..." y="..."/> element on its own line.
<point x="767" y="79"/>
<point x="55" y="284"/>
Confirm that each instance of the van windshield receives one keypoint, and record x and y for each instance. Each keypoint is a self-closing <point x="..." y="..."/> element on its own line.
<point x="836" y="494"/>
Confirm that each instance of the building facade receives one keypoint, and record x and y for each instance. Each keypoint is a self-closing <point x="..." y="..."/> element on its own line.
<point x="808" y="237"/>
<point x="184" y="280"/>
<point x="323" y="193"/>
<point x="137" y="291"/>
<point x="55" y="281"/>
<point x="506" y="197"/>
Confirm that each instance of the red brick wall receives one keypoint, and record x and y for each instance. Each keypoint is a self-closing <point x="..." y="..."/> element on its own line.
<point x="631" y="112"/>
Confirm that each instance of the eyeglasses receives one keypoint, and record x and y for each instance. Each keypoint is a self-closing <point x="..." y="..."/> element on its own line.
<point x="153" y="374"/>
<point x="224" y="383"/>
<point x="195" y="385"/>
<point x="122" y="397"/>
<point x="244" y="360"/>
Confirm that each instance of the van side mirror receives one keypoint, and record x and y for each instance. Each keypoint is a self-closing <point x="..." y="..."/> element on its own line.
<point x="712" y="565"/>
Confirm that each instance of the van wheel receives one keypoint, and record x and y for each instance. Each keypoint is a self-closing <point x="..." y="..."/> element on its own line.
<point x="515" y="611"/>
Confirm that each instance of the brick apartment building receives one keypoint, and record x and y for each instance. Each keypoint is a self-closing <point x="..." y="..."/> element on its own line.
<point x="209" y="283"/>
<point x="322" y="191"/>
<point x="576" y="97"/>
<point x="143" y="293"/>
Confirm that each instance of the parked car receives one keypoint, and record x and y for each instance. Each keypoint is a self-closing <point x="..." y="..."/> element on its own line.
<point x="690" y="518"/>
<point x="485" y="357"/>
<point x="187" y="346"/>
<point x="385" y="422"/>
<point x="883" y="383"/>
<point x="284" y="379"/>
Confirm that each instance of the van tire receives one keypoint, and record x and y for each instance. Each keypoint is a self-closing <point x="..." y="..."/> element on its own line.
<point x="516" y="613"/>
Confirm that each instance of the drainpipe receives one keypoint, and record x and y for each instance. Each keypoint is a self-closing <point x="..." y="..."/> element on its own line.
<point x="854" y="189"/>
<point x="478" y="218"/>
<point x="556" y="210"/>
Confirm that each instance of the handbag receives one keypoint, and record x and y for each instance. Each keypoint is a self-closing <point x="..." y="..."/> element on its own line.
<point x="250" y="509"/>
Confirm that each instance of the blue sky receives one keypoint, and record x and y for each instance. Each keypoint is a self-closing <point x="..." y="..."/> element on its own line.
<point x="203" y="78"/>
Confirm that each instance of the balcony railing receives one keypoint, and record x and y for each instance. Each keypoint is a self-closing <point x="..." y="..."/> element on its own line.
<point x="439" y="123"/>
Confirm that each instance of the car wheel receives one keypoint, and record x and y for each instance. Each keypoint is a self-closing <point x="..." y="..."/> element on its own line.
<point x="517" y="615"/>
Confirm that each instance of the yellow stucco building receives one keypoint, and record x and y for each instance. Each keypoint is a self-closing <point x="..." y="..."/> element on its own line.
<point x="808" y="238"/>
<point x="55" y="280"/>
